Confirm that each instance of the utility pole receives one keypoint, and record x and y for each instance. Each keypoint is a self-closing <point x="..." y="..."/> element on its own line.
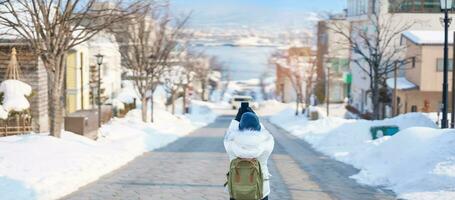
<point x="327" y="96"/>
<point x="394" y="100"/>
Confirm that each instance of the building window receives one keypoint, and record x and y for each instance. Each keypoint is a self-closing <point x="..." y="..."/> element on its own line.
<point x="414" y="6"/>
<point x="357" y="7"/>
<point x="440" y="65"/>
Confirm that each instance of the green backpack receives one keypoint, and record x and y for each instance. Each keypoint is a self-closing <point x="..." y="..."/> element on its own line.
<point x="245" y="179"/>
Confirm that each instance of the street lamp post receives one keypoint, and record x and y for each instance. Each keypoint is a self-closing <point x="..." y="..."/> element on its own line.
<point x="446" y="5"/>
<point x="452" y="119"/>
<point x="99" y="61"/>
<point x="152" y="59"/>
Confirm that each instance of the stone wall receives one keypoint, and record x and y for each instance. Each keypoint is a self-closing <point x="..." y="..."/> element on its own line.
<point x="33" y="73"/>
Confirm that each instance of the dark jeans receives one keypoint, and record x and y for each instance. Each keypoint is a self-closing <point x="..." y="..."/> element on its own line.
<point x="265" y="198"/>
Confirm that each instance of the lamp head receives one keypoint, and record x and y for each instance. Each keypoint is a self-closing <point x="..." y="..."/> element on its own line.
<point x="446" y="4"/>
<point x="99" y="59"/>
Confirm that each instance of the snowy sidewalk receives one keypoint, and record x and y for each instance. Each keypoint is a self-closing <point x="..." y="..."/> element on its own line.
<point x="41" y="167"/>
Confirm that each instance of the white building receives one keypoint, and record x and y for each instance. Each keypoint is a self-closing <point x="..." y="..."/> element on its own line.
<point x="111" y="69"/>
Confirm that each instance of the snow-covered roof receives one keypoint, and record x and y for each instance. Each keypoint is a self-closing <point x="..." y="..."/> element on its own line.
<point x="427" y="37"/>
<point x="402" y="83"/>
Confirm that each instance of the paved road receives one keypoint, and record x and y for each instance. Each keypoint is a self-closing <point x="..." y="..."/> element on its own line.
<point x="194" y="167"/>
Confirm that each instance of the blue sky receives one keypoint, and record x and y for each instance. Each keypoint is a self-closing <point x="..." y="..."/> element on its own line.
<point x="255" y="13"/>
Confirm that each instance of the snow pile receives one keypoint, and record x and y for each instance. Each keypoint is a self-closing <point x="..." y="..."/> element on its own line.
<point x="128" y="93"/>
<point x="417" y="163"/>
<point x="3" y="113"/>
<point x="272" y="107"/>
<point x="201" y="112"/>
<point x="116" y="103"/>
<point x="42" y="167"/>
<point x="14" y="93"/>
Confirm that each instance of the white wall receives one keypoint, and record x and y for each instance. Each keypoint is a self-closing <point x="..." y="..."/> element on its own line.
<point x="111" y="69"/>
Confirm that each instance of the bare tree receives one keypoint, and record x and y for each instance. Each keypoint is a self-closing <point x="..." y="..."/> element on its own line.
<point x="180" y="77"/>
<point x="173" y="79"/>
<point x="296" y="78"/>
<point x="376" y="50"/>
<point x="202" y="75"/>
<point x="151" y="37"/>
<point x="51" y="28"/>
<point x="300" y="71"/>
<point x="310" y="73"/>
<point x="190" y="63"/>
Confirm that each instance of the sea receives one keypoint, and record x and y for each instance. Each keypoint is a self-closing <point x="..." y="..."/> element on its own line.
<point x="243" y="62"/>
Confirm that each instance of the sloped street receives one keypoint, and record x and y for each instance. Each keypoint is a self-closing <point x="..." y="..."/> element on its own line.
<point x="194" y="167"/>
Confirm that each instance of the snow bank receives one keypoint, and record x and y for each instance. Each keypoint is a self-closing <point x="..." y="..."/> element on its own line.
<point x="201" y="112"/>
<point x="417" y="163"/>
<point x="272" y="107"/>
<point x="128" y="93"/>
<point x="116" y="103"/>
<point x="43" y="167"/>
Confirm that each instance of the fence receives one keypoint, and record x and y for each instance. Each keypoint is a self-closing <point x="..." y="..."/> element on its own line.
<point x="16" y="125"/>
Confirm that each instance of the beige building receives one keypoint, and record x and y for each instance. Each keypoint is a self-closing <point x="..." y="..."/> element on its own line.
<point x="420" y="89"/>
<point x="423" y="14"/>
<point x="77" y="79"/>
<point x="332" y="56"/>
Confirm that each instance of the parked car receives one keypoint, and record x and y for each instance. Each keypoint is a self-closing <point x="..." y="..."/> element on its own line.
<point x="238" y="99"/>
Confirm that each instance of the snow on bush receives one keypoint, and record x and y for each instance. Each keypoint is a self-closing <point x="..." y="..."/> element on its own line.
<point x="416" y="163"/>
<point x="39" y="166"/>
<point x="14" y="95"/>
<point x="3" y="113"/>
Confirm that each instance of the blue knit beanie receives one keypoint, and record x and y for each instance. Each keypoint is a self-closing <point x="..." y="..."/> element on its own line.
<point x="249" y="121"/>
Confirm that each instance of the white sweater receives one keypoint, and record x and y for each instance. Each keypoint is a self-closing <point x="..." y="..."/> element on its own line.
<point x="250" y="144"/>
